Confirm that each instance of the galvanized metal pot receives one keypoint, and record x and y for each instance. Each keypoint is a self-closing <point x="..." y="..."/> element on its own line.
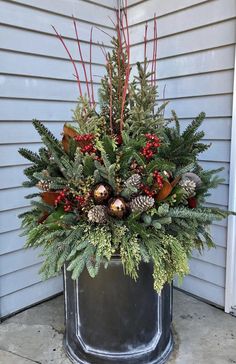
<point x="113" y="319"/>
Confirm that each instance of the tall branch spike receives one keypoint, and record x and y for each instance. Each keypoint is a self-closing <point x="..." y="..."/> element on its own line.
<point x="72" y="60"/>
<point x="127" y="71"/>
<point x="155" y="62"/>
<point x="90" y="66"/>
<point x="110" y="86"/>
<point x="145" y="42"/>
<point x="82" y="60"/>
<point x="153" y="52"/>
<point x="120" y="54"/>
<point x="119" y="36"/>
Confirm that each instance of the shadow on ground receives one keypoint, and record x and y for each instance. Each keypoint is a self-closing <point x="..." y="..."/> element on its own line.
<point x="203" y="334"/>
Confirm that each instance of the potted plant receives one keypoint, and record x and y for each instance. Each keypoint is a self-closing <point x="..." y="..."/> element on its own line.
<point x="121" y="208"/>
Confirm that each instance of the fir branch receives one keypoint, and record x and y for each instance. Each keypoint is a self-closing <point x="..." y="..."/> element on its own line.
<point x="31" y="156"/>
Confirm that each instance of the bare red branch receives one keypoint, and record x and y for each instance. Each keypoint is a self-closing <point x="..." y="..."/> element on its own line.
<point x="103" y="31"/>
<point x="155" y="56"/>
<point x="127" y="71"/>
<point x="72" y="60"/>
<point x="82" y="60"/>
<point x="153" y="52"/>
<point x="90" y="66"/>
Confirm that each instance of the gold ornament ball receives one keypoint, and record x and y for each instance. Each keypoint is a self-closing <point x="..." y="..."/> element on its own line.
<point x="101" y="193"/>
<point x="117" y="207"/>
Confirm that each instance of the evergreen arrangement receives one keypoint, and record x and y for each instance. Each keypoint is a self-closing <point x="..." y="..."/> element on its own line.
<point x="122" y="181"/>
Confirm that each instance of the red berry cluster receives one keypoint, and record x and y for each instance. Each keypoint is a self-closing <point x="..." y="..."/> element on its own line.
<point x="147" y="190"/>
<point x="80" y="199"/>
<point x="86" y="142"/>
<point x="158" y="179"/>
<point x="65" y="200"/>
<point x="118" y="139"/>
<point x="192" y="202"/>
<point x="88" y="149"/>
<point x="151" y="147"/>
<point x="84" y="137"/>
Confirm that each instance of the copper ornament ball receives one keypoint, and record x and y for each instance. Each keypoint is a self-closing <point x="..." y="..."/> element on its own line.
<point x="117" y="207"/>
<point x="101" y="193"/>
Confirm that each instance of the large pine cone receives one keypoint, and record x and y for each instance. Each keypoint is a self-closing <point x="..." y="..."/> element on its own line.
<point x="133" y="181"/>
<point x="189" y="186"/>
<point x="192" y="177"/>
<point x="98" y="214"/>
<point x="141" y="203"/>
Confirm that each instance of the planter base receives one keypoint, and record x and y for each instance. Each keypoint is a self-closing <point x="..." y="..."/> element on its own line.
<point x="161" y="360"/>
<point x="114" y="320"/>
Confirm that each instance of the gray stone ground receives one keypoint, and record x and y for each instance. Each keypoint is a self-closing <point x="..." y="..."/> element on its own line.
<point x="203" y="334"/>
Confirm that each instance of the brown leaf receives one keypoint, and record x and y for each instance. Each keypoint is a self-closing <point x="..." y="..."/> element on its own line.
<point x="50" y="197"/>
<point x="175" y="181"/>
<point x="68" y="131"/>
<point x="65" y="143"/>
<point x="165" y="191"/>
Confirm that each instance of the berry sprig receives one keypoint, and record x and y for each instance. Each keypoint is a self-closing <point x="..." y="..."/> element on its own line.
<point x="63" y="199"/>
<point x="119" y="139"/>
<point x="80" y="199"/>
<point x="90" y="149"/>
<point x="86" y="143"/>
<point x="151" y="146"/>
<point x="84" y="137"/>
<point x="68" y="201"/>
<point x="147" y="190"/>
<point x="192" y="202"/>
<point x="158" y="179"/>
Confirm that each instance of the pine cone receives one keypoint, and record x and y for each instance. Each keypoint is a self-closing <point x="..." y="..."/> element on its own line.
<point x="133" y="181"/>
<point x="189" y="186"/>
<point x="136" y="168"/>
<point x="43" y="185"/>
<point x="98" y="214"/>
<point x="141" y="203"/>
<point x="193" y="177"/>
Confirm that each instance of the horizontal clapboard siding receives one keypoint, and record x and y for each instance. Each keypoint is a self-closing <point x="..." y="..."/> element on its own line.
<point x="195" y="65"/>
<point x="164" y="7"/>
<point x="30" y="295"/>
<point x="195" y="70"/>
<point x="37" y="81"/>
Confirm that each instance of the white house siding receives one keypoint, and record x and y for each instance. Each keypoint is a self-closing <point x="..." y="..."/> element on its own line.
<point x="196" y="40"/>
<point x="36" y="81"/>
<point x="196" y="46"/>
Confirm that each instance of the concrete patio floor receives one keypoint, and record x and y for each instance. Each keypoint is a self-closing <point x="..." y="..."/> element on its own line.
<point x="203" y="334"/>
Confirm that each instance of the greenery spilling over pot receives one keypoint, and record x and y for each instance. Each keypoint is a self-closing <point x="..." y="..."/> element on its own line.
<point x="122" y="180"/>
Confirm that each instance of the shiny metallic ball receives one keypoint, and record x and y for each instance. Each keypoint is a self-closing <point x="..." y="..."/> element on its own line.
<point x="101" y="193"/>
<point x="117" y="207"/>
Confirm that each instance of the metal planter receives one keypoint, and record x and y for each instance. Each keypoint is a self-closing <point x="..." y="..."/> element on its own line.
<point x="113" y="319"/>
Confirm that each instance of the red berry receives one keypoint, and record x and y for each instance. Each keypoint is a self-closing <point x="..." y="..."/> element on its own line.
<point x="192" y="202"/>
<point x="84" y="137"/>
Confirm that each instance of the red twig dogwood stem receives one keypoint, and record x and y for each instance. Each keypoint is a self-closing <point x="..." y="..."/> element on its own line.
<point x="82" y="59"/>
<point x="72" y="60"/>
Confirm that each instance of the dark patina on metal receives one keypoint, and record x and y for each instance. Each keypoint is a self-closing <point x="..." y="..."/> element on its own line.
<point x="113" y="319"/>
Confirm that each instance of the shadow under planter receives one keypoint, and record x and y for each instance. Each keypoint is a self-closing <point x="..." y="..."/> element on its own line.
<point x="113" y="319"/>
